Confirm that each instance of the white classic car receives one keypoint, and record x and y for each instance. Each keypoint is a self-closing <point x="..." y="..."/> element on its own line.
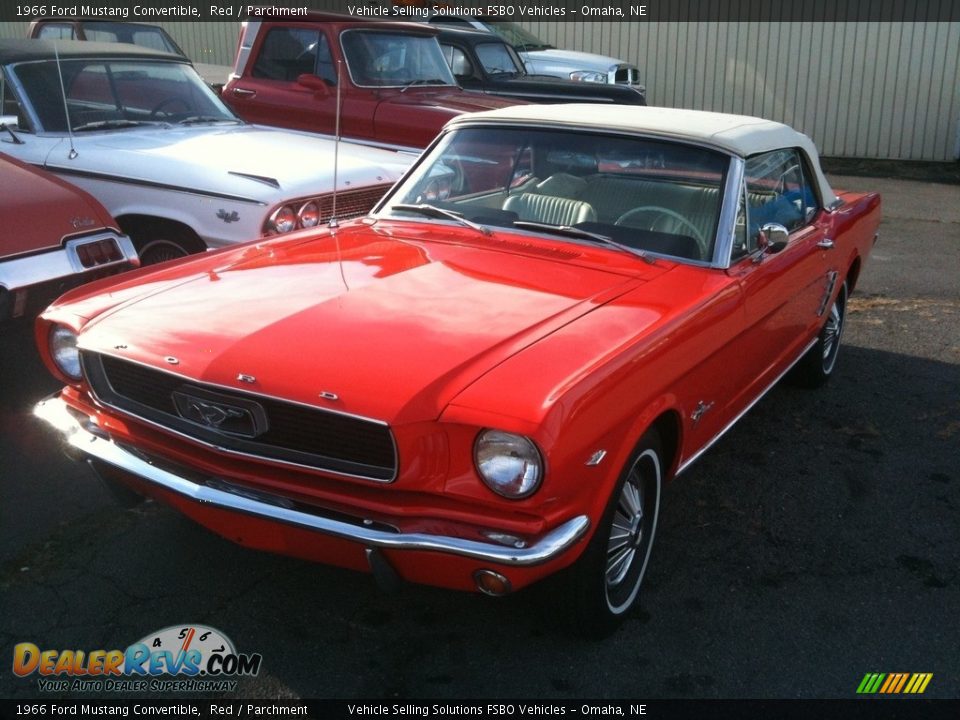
<point x="141" y="132"/>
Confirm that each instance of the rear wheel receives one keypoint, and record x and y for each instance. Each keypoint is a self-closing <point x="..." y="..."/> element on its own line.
<point x="605" y="582"/>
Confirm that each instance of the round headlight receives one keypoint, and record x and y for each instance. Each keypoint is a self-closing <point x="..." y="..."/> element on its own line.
<point x="283" y="220"/>
<point x="589" y="76"/>
<point x="63" y="350"/>
<point x="509" y="464"/>
<point x="309" y="215"/>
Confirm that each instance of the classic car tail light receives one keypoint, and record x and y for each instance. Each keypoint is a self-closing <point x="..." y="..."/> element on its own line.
<point x="99" y="252"/>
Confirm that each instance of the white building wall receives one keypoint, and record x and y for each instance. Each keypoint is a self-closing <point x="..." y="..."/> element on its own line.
<point x="867" y="90"/>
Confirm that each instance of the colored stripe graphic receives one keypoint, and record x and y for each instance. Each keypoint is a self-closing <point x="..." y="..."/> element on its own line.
<point x="894" y="683"/>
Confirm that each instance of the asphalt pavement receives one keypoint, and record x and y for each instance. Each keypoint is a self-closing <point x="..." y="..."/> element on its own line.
<point x="816" y="542"/>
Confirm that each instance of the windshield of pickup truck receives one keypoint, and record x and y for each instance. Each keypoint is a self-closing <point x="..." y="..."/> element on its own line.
<point x="391" y="59"/>
<point x="115" y="94"/>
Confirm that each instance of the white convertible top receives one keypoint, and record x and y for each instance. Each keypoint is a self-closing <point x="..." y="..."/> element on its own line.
<point x="740" y="135"/>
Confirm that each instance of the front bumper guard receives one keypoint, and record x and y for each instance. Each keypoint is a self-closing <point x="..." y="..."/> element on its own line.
<point x="87" y="438"/>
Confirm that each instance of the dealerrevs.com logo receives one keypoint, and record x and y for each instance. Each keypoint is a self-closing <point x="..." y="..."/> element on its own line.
<point x="179" y="658"/>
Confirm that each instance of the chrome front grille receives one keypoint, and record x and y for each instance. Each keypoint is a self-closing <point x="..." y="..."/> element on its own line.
<point x="278" y="429"/>
<point x="351" y="203"/>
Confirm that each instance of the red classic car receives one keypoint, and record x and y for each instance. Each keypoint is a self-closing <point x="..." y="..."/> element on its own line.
<point x="55" y="237"/>
<point x="489" y="379"/>
<point x="396" y="88"/>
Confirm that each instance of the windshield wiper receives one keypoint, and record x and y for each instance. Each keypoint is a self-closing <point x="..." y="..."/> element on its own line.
<point x="434" y="211"/>
<point x="194" y="119"/>
<point x="424" y="81"/>
<point x="574" y="232"/>
<point x="113" y="124"/>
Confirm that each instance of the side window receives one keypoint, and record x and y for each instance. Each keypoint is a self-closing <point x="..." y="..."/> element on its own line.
<point x="458" y="61"/>
<point x="778" y="191"/>
<point x="287" y="53"/>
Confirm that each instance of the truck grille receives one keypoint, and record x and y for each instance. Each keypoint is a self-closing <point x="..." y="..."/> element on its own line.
<point x="217" y="416"/>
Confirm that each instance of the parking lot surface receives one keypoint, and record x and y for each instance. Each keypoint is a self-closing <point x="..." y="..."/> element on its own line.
<point x="818" y="541"/>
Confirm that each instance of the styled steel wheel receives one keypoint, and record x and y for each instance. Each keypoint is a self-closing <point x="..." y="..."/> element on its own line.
<point x="830" y="335"/>
<point x="605" y="582"/>
<point x="818" y="364"/>
<point x="630" y="536"/>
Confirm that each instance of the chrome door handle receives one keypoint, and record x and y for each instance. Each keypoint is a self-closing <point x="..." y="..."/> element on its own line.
<point x="241" y="92"/>
<point x="825" y="244"/>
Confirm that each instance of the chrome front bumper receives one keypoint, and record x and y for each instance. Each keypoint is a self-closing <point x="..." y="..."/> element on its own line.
<point x="87" y="438"/>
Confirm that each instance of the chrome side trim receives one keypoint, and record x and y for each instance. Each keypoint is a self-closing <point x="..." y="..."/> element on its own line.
<point x="55" y="412"/>
<point x="693" y="458"/>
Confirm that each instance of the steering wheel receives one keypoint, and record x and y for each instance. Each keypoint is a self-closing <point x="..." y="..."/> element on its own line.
<point x="159" y="107"/>
<point x="697" y="234"/>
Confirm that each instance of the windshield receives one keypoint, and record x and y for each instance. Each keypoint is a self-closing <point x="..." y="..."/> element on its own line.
<point x="104" y="94"/>
<point x="390" y="59"/>
<point x="648" y="195"/>
<point x="517" y="36"/>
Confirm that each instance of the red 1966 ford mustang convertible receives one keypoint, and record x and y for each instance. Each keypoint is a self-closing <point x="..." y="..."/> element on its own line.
<point x="490" y="378"/>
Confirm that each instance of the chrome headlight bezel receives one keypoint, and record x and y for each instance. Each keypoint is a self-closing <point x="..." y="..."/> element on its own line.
<point x="511" y="465"/>
<point x="308" y="215"/>
<point x="64" y="352"/>
<point x="282" y="220"/>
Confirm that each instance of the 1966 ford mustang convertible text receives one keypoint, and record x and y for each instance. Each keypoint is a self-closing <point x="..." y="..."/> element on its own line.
<point x="489" y="379"/>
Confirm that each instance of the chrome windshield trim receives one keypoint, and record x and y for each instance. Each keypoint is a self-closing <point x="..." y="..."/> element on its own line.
<point x="97" y="445"/>
<point x="726" y="226"/>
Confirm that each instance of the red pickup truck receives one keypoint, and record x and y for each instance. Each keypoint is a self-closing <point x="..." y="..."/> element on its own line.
<point x="395" y="89"/>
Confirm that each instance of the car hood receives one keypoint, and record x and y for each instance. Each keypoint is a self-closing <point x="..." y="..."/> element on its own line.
<point x="573" y="59"/>
<point x="393" y="325"/>
<point x="40" y="210"/>
<point x="245" y="161"/>
<point x="454" y="101"/>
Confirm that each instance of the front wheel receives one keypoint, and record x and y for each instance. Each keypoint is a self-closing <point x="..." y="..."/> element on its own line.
<point x="818" y="364"/>
<point x="605" y="582"/>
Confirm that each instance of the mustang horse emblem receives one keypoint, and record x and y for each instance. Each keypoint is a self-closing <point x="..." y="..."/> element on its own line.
<point x="225" y="417"/>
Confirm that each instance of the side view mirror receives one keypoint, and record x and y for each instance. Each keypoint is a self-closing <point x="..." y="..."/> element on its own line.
<point x="9" y="120"/>
<point x="774" y="238"/>
<point x="315" y="83"/>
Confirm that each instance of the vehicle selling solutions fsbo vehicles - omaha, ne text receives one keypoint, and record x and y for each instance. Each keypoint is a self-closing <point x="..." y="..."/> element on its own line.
<point x="490" y="379"/>
<point x="141" y="132"/>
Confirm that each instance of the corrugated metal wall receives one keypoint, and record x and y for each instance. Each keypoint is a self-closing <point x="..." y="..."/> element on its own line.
<point x="868" y="89"/>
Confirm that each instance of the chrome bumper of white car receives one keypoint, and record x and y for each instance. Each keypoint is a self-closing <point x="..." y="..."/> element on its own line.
<point x="93" y="442"/>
